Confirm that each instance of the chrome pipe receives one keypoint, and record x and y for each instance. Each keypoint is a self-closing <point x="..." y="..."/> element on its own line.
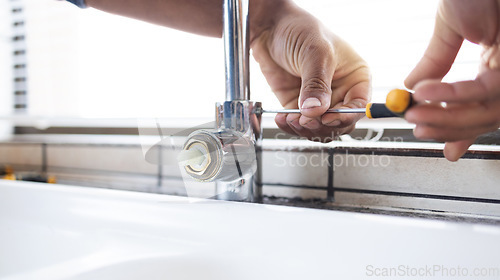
<point x="341" y="110"/>
<point x="236" y="49"/>
<point x="230" y="153"/>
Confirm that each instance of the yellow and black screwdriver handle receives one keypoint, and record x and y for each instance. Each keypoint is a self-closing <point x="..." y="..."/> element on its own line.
<point x="398" y="101"/>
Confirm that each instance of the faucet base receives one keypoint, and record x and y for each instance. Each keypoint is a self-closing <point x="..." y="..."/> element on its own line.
<point x="230" y="152"/>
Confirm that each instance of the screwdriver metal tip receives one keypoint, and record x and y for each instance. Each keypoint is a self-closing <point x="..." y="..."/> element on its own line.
<point x="342" y="110"/>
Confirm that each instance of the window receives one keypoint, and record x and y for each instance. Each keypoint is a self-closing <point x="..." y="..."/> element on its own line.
<point x="86" y="63"/>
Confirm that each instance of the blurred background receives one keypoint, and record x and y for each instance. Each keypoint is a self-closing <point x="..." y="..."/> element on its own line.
<point x="60" y="61"/>
<point x="78" y="86"/>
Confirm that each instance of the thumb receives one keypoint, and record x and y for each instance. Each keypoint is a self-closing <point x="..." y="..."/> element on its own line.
<point x="439" y="56"/>
<point x="317" y="70"/>
<point x="455" y="150"/>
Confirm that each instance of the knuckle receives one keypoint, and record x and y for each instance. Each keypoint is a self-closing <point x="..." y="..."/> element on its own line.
<point x="291" y="118"/>
<point x="316" y="84"/>
<point x="317" y="45"/>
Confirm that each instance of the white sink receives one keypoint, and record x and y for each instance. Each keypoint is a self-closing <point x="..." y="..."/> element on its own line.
<point x="66" y="232"/>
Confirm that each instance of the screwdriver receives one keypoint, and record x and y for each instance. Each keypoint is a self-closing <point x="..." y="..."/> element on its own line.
<point x="398" y="101"/>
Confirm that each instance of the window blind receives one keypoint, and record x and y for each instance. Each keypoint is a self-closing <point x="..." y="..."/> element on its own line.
<point x="19" y="64"/>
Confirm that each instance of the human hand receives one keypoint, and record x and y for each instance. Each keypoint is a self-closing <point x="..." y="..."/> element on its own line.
<point x="310" y="68"/>
<point x="473" y="107"/>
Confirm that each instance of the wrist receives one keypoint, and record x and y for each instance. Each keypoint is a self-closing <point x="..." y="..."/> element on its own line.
<point x="263" y="15"/>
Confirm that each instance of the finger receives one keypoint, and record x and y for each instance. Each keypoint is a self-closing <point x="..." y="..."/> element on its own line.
<point x="319" y="134"/>
<point x="490" y="58"/>
<point x="280" y="120"/>
<point x="290" y="123"/>
<point x="455" y="150"/>
<point x="439" y="56"/>
<point x="317" y="69"/>
<point x="310" y="123"/>
<point x="293" y="122"/>
<point x="442" y="134"/>
<point x="341" y="120"/>
<point x="356" y="97"/>
<point x="456" y="116"/>
<point x="485" y="87"/>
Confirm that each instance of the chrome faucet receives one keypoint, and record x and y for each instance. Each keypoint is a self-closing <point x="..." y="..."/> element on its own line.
<point x="236" y="49"/>
<point x="229" y="154"/>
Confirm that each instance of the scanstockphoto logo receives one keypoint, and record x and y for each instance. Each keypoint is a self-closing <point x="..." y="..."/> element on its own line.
<point x="325" y="159"/>
<point x="311" y="156"/>
<point x="432" y="271"/>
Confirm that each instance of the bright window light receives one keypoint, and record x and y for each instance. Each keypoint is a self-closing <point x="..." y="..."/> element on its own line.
<point x="86" y="63"/>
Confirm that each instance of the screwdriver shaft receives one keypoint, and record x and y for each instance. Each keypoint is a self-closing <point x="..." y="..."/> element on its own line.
<point x="343" y="110"/>
<point x="398" y="101"/>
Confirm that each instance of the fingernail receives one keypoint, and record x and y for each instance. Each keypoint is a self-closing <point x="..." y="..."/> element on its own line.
<point x="335" y="123"/>
<point x="311" y="102"/>
<point x="410" y="117"/>
<point x="295" y="124"/>
<point x="417" y="131"/>
<point x="312" y="124"/>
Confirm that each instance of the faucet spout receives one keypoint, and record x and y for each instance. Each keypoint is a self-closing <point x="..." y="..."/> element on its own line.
<point x="236" y="49"/>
